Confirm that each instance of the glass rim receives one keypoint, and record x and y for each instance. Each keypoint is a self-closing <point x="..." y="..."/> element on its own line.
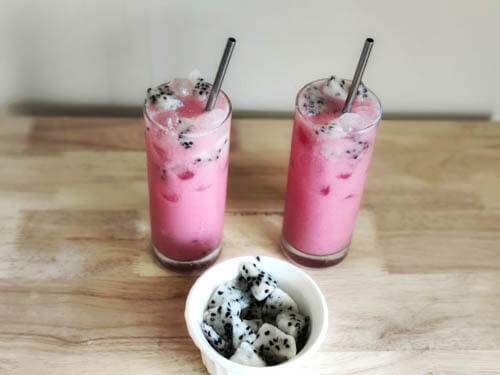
<point x="189" y="135"/>
<point x="358" y="131"/>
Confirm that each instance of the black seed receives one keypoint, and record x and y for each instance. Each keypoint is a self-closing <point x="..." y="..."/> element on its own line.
<point x="287" y="346"/>
<point x="267" y="333"/>
<point x="297" y="325"/>
<point x="220" y="292"/>
<point x="241" y="337"/>
<point x="271" y="342"/>
<point x="285" y="341"/>
<point x="213" y="314"/>
<point x="289" y="324"/>
<point x="266" y="291"/>
<point x="290" y="307"/>
<point x="219" y="310"/>
<point x="212" y="319"/>
<point x="277" y="347"/>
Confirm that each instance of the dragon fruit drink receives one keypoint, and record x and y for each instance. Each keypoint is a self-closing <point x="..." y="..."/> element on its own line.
<point x="329" y="159"/>
<point x="187" y="157"/>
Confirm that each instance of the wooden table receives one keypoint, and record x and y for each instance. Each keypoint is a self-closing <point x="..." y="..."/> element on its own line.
<point x="81" y="294"/>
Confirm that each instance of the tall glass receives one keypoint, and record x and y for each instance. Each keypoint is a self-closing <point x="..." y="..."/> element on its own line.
<point x="326" y="176"/>
<point x="187" y="174"/>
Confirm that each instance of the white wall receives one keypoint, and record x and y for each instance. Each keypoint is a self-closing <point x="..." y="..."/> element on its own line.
<point x="430" y="56"/>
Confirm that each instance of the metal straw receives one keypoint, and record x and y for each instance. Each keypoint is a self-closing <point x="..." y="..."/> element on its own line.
<point x="220" y="74"/>
<point x="358" y="75"/>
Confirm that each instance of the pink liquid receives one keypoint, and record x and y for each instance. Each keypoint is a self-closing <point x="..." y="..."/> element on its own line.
<point x="327" y="172"/>
<point x="187" y="152"/>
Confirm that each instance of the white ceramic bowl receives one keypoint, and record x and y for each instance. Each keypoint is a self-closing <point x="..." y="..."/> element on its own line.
<point x="291" y="279"/>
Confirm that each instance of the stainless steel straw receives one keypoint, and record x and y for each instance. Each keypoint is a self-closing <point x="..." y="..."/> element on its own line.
<point x="358" y="75"/>
<point x="220" y="74"/>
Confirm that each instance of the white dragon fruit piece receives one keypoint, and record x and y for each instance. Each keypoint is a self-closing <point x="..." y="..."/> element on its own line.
<point x="201" y="88"/>
<point x="331" y="130"/>
<point x="221" y="318"/>
<point x="277" y="302"/>
<point x="292" y="323"/>
<point x="239" y="325"/>
<point x="313" y="101"/>
<point x="274" y="345"/>
<point x="247" y="355"/>
<point x="217" y="342"/>
<point x="254" y="324"/>
<point x="242" y="332"/>
<point x="261" y="283"/>
<point x="162" y="97"/>
<point x="253" y="311"/>
<point x="249" y="269"/>
<point x="362" y="93"/>
<point x="229" y="292"/>
<point x="222" y="146"/>
<point x="336" y="88"/>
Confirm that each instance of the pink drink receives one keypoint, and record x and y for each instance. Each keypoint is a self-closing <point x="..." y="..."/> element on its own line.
<point x="329" y="159"/>
<point x="188" y="157"/>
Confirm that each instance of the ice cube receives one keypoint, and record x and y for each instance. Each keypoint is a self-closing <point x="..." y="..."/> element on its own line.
<point x="210" y="120"/>
<point x="181" y="86"/>
<point x="351" y="122"/>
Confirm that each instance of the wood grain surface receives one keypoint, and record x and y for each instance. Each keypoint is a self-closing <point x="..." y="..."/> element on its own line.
<point x="81" y="294"/>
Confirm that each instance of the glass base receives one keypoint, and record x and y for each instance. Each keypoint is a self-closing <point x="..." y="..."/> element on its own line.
<point x="313" y="261"/>
<point x="190" y="266"/>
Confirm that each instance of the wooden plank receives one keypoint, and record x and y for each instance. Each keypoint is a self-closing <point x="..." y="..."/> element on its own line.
<point x="81" y="293"/>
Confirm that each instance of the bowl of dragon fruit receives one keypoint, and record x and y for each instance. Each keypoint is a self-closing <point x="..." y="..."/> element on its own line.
<point x="255" y="315"/>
